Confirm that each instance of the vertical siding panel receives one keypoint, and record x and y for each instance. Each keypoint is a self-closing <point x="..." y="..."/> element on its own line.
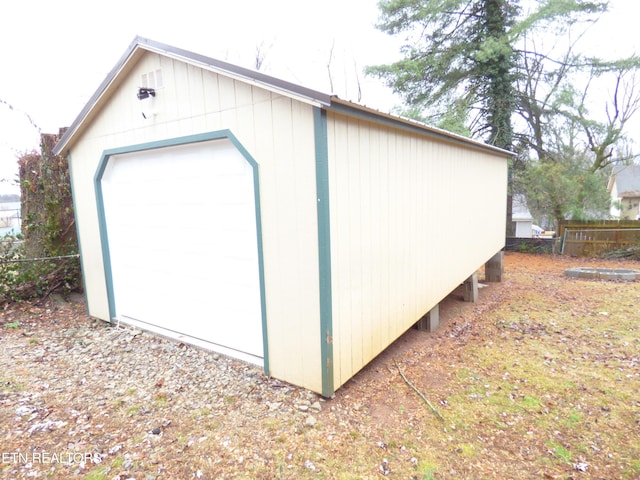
<point x="211" y="89"/>
<point x="181" y="81"/>
<point x="291" y="254"/>
<point x="393" y="153"/>
<point x="356" y="256"/>
<point x="367" y="322"/>
<point x="348" y="275"/>
<point x="420" y="225"/>
<point x="195" y="90"/>
<point x="170" y="90"/>
<point x="375" y="238"/>
<point x="244" y="112"/>
<point x="342" y="239"/>
<point x="287" y="363"/>
<point x="336" y="195"/>
<point x="385" y="145"/>
<point x="226" y="93"/>
<point x="305" y="227"/>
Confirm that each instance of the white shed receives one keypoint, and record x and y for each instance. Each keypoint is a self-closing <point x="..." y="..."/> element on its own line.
<point x="521" y="217"/>
<point x="268" y="221"/>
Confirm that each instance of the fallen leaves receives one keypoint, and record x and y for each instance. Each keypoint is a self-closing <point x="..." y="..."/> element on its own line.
<point x="534" y="366"/>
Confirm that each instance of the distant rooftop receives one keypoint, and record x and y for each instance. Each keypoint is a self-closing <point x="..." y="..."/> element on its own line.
<point x="627" y="178"/>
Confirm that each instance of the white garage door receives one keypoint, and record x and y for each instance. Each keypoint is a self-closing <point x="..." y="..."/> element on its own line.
<point x="181" y="227"/>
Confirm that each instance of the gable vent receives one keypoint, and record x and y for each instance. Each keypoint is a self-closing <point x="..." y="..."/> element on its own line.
<point x="152" y="79"/>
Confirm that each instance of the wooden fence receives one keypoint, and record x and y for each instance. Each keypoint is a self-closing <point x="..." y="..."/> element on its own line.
<point x="594" y="238"/>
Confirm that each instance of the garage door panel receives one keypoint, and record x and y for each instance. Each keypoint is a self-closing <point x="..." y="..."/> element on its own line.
<point x="181" y="226"/>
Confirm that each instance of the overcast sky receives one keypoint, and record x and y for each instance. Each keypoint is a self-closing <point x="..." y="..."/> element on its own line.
<point x="54" y="54"/>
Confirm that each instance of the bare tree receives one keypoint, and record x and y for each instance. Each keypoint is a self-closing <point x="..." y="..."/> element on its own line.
<point x="329" y="60"/>
<point x="602" y="137"/>
<point x="357" y="74"/>
<point x="13" y="109"/>
<point x="261" y="54"/>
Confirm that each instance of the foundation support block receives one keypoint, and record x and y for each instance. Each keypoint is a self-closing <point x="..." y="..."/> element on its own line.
<point x="494" y="268"/>
<point x="431" y="321"/>
<point x="471" y="288"/>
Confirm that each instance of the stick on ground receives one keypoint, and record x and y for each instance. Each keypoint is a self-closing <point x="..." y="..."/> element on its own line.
<point x="426" y="400"/>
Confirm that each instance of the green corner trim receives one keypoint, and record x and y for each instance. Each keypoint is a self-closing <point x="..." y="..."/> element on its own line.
<point x="324" y="250"/>
<point x="190" y="139"/>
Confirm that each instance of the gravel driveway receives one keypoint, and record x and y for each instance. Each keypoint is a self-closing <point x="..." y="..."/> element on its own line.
<point x="69" y="384"/>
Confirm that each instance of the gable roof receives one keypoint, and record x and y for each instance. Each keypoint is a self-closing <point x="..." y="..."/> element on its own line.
<point x="141" y="45"/>
<point x="519" y="209"/>
<point x="626" y="179"/>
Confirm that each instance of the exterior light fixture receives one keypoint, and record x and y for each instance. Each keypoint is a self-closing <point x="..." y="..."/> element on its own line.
<point x="144" y="92"/>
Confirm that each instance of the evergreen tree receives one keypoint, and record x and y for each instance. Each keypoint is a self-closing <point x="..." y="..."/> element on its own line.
<point x="477" y="67"/>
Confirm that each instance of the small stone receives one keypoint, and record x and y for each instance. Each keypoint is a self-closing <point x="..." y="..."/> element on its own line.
<point x="310" y="421"/>
<point x="581" y="466"/>
<point x="316" y="406"/>
<point x="384" y="468"/>
<point x="156" y="431"/>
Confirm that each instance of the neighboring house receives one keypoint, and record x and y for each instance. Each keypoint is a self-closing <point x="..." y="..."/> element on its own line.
<point x="9" y="218"/>
<point x="313" y="231"/>
<point x="521" y="216"/>
<point x="624" y="188"/>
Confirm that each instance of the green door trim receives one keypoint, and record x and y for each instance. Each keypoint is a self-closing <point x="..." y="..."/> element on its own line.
<point x="172" y="142"/>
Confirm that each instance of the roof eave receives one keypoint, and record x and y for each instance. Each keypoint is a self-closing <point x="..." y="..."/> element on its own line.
<point x="347" y="107"/>
<point x="253" y="77"/>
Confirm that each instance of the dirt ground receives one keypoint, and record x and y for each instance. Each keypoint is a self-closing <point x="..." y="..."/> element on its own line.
<point x="516" y="386"/>
<point x="537" y="293"/>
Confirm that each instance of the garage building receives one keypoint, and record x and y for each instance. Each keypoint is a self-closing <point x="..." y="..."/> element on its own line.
<point x="271" y="222"/>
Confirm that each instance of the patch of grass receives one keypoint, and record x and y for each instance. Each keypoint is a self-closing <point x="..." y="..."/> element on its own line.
<point x="12" y="325"/>
<point x="559" y="451"/>
<point x="133" y="410"/>
<point x="98" y="473"/>
<point x="161" y="400"/>
<point x="33" y="341"/>
<point x="200" y="412"/>
<point x="7" y="383"/>
<point x="466" y="450"/>
<point x="426" y="470"/>
<point x="531" y="403"/>
<point x="573" y="419"/>
<point x="138" y="439"/>
<point x="272" y="424"/>
<point x="212" y="425"/>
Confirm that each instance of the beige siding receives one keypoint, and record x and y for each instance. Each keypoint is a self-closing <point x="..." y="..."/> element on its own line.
<point x="411" y="219"/>
<point x="270" y="127"/>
